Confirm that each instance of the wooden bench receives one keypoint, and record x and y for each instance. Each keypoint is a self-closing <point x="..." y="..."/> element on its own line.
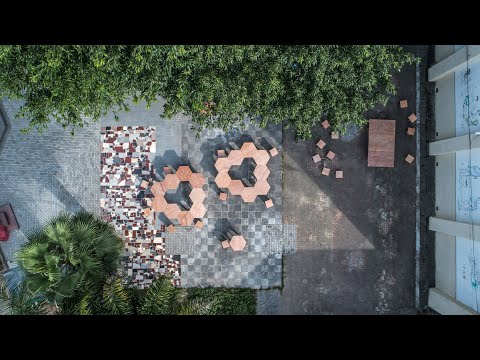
<point x="381" y="143"/>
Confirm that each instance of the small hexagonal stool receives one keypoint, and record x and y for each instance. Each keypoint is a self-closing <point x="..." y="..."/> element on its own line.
<point x="326" y="171"/>
<point x="235" y="157"/>
<point x="157" y="189"/>
<point x="183" y="173"/>
<point x="409" y="159"/>
<point x="412" y="118"/>
<point x="248" y="149"/>
<point x="339" y="174"/>
<point x="331" y="155"/>
<point x="316" y="158"/>
<point x="411" y="131"/>
<point x="269" y="203"/>
<point x="273" y="152"/>
<point x="403" y="104"/>
<point x="236" y="187"/>
<point x="197" y="180"/>
<point x="223" y="196"/>
<point x="261" y="157"/>
<point x="326" y="124"/>
<point x="321" y="144"/>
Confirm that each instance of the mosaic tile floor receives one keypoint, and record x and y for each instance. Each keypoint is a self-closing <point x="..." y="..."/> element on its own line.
<point x="126" y="161"/>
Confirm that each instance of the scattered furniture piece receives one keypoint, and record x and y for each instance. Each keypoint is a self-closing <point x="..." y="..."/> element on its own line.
<point x="316" y="158"/>
<point x="225" y="244"/>
<point x="8" y="218"/>
<point x="326" y="171"/>
<point x="223" y="196"/>
<point x="197" y="180"/>
<point x="269" y="203"/>
<point x="273" y="152"/>
<point x="172" y="211"/>
<point x="330" y="155"/>
<point x="261" y="187"/>
<point x="157" y="189"/>
<point x="236" y="186"/>
<point x="167" y="170"/>
<point x="221" y="153"/>
<point x="199" y="224"/>
<point x="223" y="163"/>
<point x="381" y="143"/>
<point x="238" y="243"/>
<point x="339" y="174"/>
<point x="411" y="131"/>
<point x="409" y="159"/>
<point x="171" y="182"/>
<point x="171" y="228"/>
<point x="326" y="124"/>
<point x="198" y="210"/>
<point x="261" y="172"/>
<point x="403" y="104"/>
<point x="412" y="118"/>
<point x="261" y="157"/>
<point x="335" y="135"/>
<point x="159" y="204"/>
<point x="223" y="179"/>
<point x="197" y="195"/>
<point x="248" y="149"/>
<point x="235" y="157"/>
<point x="183" y="173"/>
<point x="249" y="194"/>
<point x="321" y="144"/>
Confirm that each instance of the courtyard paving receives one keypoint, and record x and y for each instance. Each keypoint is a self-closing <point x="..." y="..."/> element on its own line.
<point x="356" y="235"/>
<point x="43" y="174"/>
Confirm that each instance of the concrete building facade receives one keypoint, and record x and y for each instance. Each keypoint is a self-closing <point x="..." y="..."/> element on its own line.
<point x="456" y="152"/>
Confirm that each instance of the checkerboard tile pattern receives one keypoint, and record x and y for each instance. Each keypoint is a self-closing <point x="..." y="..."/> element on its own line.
<point x="203" y="260"/>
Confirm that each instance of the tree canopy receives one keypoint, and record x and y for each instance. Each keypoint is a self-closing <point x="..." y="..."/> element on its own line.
<point x="217" y="85"/>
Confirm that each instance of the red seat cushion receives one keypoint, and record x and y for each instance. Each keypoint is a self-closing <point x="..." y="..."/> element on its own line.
<point x="4" y="235"/>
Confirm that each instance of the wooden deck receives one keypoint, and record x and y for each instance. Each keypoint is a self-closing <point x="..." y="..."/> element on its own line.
<point x="381" y="143"/>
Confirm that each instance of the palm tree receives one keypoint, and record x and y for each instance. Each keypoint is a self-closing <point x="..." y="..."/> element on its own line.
<point x="15" y="299"/>
<point x="71" y="254"/>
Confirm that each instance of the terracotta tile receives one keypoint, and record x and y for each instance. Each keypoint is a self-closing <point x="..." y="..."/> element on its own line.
<point x="331" y="155"/>
<point x="412" y="118"/>
<point x="335" y="135"/>
<point x="326" y="124"/>
<point x="316" y="158"/>
<point x="223" y="196"/>
<point x="403" y="104"/>
<point x="409" y="159"/>
<point x="339" y="174"/>
<point x="411" y="131"/>
<point x="269" y="203"/>
<point x="326" y="171"/>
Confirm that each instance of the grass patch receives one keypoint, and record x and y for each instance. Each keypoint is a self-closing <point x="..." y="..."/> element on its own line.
<point x="226" y="301"/>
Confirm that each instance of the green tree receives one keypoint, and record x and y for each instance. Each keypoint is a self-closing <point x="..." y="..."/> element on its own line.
<point x="68" y="254"/>
<point x="218" y="86"/>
